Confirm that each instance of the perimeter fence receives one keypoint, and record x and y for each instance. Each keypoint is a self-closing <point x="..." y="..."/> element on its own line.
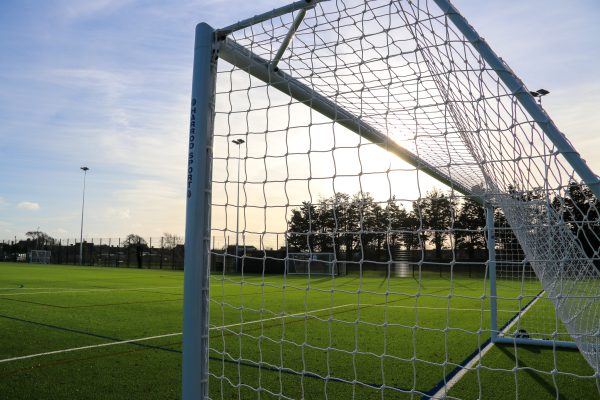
<point x="104" y="252"/>
<point x="260" y="257"/>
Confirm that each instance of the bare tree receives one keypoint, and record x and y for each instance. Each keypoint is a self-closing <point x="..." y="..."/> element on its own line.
<point x="137" y="242"/>
<point x="41" y="238"/>
<point x="170" y="241"/>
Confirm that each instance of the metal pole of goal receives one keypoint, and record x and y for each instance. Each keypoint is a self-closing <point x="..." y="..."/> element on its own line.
<point x="197" y="224"/>
<point x="491" y="245"/>
<point x="239" y="143"/>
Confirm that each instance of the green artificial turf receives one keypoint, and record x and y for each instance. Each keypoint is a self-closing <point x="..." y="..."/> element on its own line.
<point x="366" y="337"/>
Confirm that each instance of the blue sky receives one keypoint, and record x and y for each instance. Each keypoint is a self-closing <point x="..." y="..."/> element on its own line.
<point x="106" y="83"/>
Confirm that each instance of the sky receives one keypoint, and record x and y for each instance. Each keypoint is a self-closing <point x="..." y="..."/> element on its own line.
<point x="106" y="84"/>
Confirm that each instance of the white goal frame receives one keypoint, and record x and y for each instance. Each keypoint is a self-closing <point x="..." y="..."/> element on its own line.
<point x="311" y="263"/>
<point x="213" y="44"/>
<point x="39" y="256"/>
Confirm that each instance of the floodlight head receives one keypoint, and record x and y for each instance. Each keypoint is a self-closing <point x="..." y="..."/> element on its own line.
<point x="542" y="92"/>
<point x="85" y="169"/>
<point x="238" y="141"/>
<point x="534" y="94"/>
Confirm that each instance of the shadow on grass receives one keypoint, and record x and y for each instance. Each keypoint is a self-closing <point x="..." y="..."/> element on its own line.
<point x="530" y="371"/>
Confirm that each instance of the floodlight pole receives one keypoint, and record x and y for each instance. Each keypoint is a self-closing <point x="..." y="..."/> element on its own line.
<point x="197" y="224"/>
<point x="85" y="170"/>
<point x="239" y="143"/>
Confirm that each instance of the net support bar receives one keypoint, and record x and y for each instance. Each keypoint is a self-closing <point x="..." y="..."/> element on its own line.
<point x="491" y="245"/>
<point x="517" y="87"/>
<point x="288" y="38"/>
<point x="257" y="19"/>
<point x="197" y="224"/>
<point x="258" y="67"/>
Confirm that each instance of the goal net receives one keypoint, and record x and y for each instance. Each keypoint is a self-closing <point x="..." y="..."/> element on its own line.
<point x="39" y="256"/>
<point x="390" y="136"/>
<point x="310" y="264"/>
<point x="526" y="312"/>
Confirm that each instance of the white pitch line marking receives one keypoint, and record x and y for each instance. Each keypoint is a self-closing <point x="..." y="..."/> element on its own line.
<point x="47" y="353"/>
<point x="87" y="347"/>
<point x="279" y="317"/>
<point x="521" y="313"/>
<point x="442" y="393"/>
<point x="87" y="290"/>
<point x="485" y="350"/>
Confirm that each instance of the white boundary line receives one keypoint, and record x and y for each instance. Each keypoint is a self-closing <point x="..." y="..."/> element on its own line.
<point x="87" y="347"/>
<point x="93" y="346"/>
<point x="85" y="290"/>
<point x="441" y="394"/>
<point x="521" y="313"/>
<point x="279" y="317"/>
<point x="451" y="383"/>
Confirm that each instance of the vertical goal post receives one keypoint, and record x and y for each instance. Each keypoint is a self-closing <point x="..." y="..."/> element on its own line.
<point x="197" y="227"/>
<point x="523" y="168"/>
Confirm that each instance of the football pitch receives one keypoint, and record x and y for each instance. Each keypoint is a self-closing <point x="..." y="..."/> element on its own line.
<point x="108" y="333"/>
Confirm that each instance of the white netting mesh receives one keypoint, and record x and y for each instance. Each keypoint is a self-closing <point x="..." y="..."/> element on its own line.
<point x="519" y="288"/>
<point x="309" y="184"/>
<point x="567" y="273"/>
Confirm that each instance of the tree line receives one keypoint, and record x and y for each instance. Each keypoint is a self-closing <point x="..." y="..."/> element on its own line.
<point x="353" y="224"/>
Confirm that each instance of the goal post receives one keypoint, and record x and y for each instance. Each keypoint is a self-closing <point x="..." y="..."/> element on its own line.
<point x="197" y="227"/>
<point x="352" y="115"/>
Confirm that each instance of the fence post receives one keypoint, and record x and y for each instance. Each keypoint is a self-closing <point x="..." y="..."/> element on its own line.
<point x="162" y="246"/>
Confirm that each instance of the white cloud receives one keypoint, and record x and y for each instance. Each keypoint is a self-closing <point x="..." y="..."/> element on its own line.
<point x="84" y="9"/>
<point x="28" y="205"/>
<point x="119" y="213"/>
<point x="108" y="88"/>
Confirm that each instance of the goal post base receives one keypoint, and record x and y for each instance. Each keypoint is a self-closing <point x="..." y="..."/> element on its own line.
<point x="535" y="342"/>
